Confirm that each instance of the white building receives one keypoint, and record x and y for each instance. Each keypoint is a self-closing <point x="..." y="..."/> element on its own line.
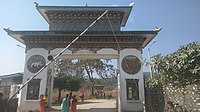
<point x="9" y="83"/>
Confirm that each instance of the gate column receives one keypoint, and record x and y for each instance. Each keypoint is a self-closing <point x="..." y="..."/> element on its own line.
<point x="36" y="58"/>
<point x="131" y="80"/>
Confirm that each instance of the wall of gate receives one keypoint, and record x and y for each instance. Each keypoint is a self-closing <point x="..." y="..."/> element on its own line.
<point x="131" y="80"/>
<point x="188" y="98"/>
<point x="163" y="100"/>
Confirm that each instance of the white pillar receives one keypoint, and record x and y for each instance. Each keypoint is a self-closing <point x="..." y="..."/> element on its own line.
<point x="127" y="104"/>
<point x="50" y="94"/>
<point x="34" y="60"/>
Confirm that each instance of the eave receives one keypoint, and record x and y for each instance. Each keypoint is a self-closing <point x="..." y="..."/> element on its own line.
<point x="124" y="9"/>
<point x="21" y="35"/>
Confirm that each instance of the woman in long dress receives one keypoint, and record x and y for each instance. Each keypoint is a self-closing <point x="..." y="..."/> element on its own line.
<point x="64" y="104"/>
<point x="71" y="109"/>
<point x="67" y="103"/>
<point x="73" y="103"/>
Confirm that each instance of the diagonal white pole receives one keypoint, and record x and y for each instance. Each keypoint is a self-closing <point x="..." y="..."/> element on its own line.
<point x="61" y="52"/>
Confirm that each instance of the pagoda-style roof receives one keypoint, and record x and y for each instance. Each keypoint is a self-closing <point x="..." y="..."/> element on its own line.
<point x="62" y="14"/>
<point x="67" y="22"/>
<point x="92" y="40"/>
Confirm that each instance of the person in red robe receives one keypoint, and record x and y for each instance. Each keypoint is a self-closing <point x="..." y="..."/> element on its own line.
<point x="42" y="103"/>
<point x="73" y="103"/>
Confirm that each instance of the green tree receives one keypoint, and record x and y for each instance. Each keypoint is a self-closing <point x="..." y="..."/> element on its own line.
<point x="73" y="83"/>
<point x="60" y="84"/>
<point x="180" y="68"/>
<point x="63" y="81"/>
<point x="100" y="67"/>
<point x="86" y="68"/>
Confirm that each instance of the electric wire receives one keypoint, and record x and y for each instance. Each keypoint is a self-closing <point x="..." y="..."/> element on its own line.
<point x="119" y="48"/>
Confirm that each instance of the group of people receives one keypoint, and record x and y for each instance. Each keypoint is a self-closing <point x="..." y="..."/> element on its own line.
<point x="69" y="103"/>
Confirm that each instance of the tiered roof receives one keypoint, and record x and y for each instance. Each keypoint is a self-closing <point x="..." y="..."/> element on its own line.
<point x="61" y="34"/>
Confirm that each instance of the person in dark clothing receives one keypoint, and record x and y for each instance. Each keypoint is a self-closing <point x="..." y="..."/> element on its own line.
<point x="1" y="95"/>
<point x="2" y="103"/>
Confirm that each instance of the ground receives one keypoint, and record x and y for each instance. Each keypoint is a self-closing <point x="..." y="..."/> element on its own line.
<point x="95" y="105"/>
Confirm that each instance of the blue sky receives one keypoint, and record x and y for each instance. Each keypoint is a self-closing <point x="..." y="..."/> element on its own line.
<point x="180" y="20"/>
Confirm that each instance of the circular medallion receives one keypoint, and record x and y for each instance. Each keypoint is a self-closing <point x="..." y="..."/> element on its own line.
<point x="131" y="64"/>
<point x="35" y="63"/>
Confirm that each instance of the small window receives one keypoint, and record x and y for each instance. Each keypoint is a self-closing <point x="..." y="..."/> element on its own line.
<point x="132" y="89"/>
<point x="33" y="89"/>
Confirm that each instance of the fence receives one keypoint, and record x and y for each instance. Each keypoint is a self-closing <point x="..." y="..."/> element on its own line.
<point x="8" y="107"/>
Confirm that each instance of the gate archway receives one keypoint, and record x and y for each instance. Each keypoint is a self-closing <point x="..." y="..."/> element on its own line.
<point x="103" y="40"/>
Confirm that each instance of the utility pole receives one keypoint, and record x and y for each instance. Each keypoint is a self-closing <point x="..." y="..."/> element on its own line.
<point x="149" y="56"/>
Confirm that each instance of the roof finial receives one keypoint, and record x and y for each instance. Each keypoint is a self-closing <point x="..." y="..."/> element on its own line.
<point x="36" y="4"/>
<point x="7" y="29"/>
<point x="131" y="4"/>
<point x="158" y="29"/>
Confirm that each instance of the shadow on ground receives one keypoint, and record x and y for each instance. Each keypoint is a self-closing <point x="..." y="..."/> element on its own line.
<point x="81" y="103"/>
<point x="97" y="110"/>
<point x="88" y="110"/>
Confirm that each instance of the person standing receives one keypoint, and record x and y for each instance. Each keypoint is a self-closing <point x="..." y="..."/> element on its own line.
<point x="73" y="104"/>
<point x="2" y="105"/>
<point x="64" y="104"/>
<point x="70" y="103"/>
<point x="67" y="103"/>
<point x="71" y="107"/>
<point x="1" y="95"/>
<point x="46" y="101"/>
<point x="42" y="103"/>
<point x="82" y="97"/>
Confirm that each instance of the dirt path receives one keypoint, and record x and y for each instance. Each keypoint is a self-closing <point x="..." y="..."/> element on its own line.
<point x="101" y="105"/>
<point x="95" y="105"/>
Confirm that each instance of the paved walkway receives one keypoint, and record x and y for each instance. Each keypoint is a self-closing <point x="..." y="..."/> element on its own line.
<point x="96" y="105"/>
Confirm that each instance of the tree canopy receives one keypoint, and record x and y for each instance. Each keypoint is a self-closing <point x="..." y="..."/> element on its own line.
<point x="102" y="68"/>
<point x="68" y="82"/>
<point x="180" y="68"/>
<point x="86" y="69"/>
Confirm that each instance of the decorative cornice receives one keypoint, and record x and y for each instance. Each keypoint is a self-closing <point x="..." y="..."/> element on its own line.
<point x="59" y="33"/>
<point x="86" y="16"/>
<point x="60" y="11"/>
<point x="94" y="40"/>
